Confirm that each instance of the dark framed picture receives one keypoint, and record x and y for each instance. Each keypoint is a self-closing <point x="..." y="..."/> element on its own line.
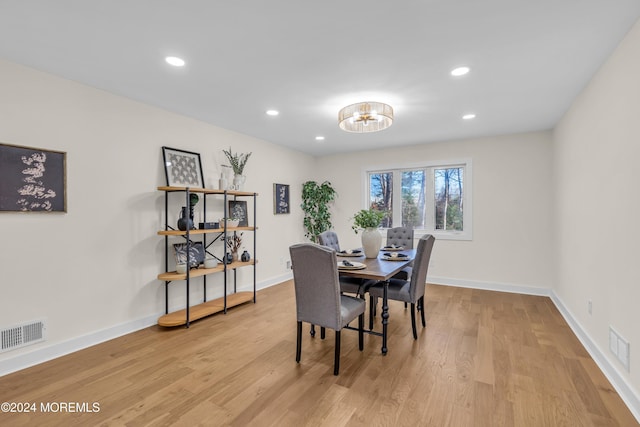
<point x="182" y="168"/>
<point x="281" y="199"/>
<point x="238" y="210"/>
<point x="196" y="253"/>
<point x="32" y="179"/>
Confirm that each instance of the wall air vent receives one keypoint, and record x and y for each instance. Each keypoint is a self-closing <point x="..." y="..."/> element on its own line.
<point x="21" y="335"/>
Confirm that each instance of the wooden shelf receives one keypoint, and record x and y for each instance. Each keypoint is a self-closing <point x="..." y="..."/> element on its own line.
<point x="201" y="271"/>
<point x="208" y="191"/>
<point x="205" y="231"/>
<point x="205" y="309"/>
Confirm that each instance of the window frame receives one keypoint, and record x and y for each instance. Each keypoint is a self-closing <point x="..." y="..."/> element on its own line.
<point x="429" y="166"/>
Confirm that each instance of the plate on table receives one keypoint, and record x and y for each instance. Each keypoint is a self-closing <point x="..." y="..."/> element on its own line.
<point x="349" y="252"/>
<point x="350" y="265"/>
<point x="393" y="248"/>
<point x="394" y="256"/>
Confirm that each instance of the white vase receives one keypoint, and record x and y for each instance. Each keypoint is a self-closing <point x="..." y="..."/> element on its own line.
<point x="222" y="182"/>
<point x="238" y="182"/>
<point x="371" y="242"/>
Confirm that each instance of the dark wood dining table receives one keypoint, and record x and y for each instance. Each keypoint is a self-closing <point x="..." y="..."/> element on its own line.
<point x="380" y="270"/>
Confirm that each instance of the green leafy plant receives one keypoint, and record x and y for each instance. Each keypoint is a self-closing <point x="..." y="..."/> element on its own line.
<point x="237" y="160"/>
<point x="367" y="218"/>
<point x="315" y="204"/>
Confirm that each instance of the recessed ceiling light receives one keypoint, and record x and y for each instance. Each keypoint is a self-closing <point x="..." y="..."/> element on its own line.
<point x="319" y="138"/>
<point x="469" y="116"/>
<point x="175" y="61"/>
<point x="460" y="71"/>
<point x="272" y="112"/>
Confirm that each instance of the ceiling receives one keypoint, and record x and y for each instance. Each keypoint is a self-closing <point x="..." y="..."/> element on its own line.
<point x="528" y="60"/>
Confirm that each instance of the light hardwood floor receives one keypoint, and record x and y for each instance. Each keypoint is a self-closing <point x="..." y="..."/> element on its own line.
<point x="484" y="359"/>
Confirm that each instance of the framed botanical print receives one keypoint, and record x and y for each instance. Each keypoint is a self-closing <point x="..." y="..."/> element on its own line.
<point x="281" y="199"/>
<point x="238" y="210"/>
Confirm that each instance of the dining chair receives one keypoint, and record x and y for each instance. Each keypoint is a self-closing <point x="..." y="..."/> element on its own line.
<point x="411" y="291"/>
<point x="350" y="285"/>
<point x="330" y="239"/>
<point x="318" y="297"/>
<point x="401" y="236"/>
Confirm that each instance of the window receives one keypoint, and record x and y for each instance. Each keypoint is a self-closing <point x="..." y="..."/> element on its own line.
<point x="432" y="199"/>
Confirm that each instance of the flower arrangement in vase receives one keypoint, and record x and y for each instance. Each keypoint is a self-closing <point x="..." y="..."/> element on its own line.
<point x="234" y="242"/>
<point x="237" y="161"/>
<point x="369" y="220"/>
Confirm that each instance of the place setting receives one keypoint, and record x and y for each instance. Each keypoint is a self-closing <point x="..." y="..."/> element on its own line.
<point x="350" y="265"/>
<point x="350" y="253"/>
<point x="393" y="248"/>
<point x="394" y="256"/>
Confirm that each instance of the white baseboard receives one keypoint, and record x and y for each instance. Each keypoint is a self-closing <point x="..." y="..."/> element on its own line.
<point x="53" y="351"/>
<point x="45" y="352"/>
<point x="489" y="286"/>
<point x="624" y="389"/>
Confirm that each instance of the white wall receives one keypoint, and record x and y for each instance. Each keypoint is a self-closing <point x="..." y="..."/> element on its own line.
<point x="512" y="241"/>
<point x="95" y="268"/>
<point x="596" y="152"/>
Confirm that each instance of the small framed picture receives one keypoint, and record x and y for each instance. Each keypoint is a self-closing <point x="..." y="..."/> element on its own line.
<point x="281" y="199"/>
<point x="238" y="210"/>
<point x="196" y="253"/>
<point x="182" y="168"/>
<point x="32" y="179"/>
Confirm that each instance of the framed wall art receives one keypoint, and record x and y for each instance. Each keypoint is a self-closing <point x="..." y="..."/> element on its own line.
<point x="281" y="199"/>
<point x="32" y="179"/>
<point x="238" y="210"/>
<point x="182" y="168"/>
<point x="196" y="253"/>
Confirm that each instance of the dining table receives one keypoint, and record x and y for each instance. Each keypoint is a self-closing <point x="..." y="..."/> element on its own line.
<point x="381" y="268"/>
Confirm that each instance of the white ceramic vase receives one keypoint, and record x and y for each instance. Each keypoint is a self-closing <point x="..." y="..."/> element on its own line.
<point x="371" y="242"/>
<point x="238" y="182"/>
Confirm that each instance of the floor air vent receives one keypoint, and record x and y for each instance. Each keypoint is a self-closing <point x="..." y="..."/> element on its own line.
<point x="21" y="335"/>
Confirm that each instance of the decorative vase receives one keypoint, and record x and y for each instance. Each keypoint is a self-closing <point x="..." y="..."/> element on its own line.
<point x="238" y="182"/>
<point x="371" y="242"/>
<point x="234" y="256"/>
<point x="228" y="259"/>
<point x="184" y="222"/>
<point x="222" y="182"/>
<point x="245" y="257"/>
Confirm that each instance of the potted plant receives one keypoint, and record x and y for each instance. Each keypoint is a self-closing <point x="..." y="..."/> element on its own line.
<point x="369" y="220"/>
<point x="315" y="205"/>
<point x="237" y="161"/>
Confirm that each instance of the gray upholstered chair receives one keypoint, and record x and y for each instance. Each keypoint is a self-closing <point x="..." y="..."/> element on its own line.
<point x="318" y="297"/>
<point x="412" y="291"/>
<point x="350" y="285"/>
<point x="329" y="239"/>
<point x="401" y="236"/>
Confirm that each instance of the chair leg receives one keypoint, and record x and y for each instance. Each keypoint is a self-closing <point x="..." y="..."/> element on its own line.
<point x="336" y="363"/>
<point x="323" y="332"/>
<point x="299" y="342"/>
<point x="312" y="332"/>
<point x="405" y="305"/>
<point x="424" y="323"/>
<point x="413" y="321"/>
<point x="361" y="332"/>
